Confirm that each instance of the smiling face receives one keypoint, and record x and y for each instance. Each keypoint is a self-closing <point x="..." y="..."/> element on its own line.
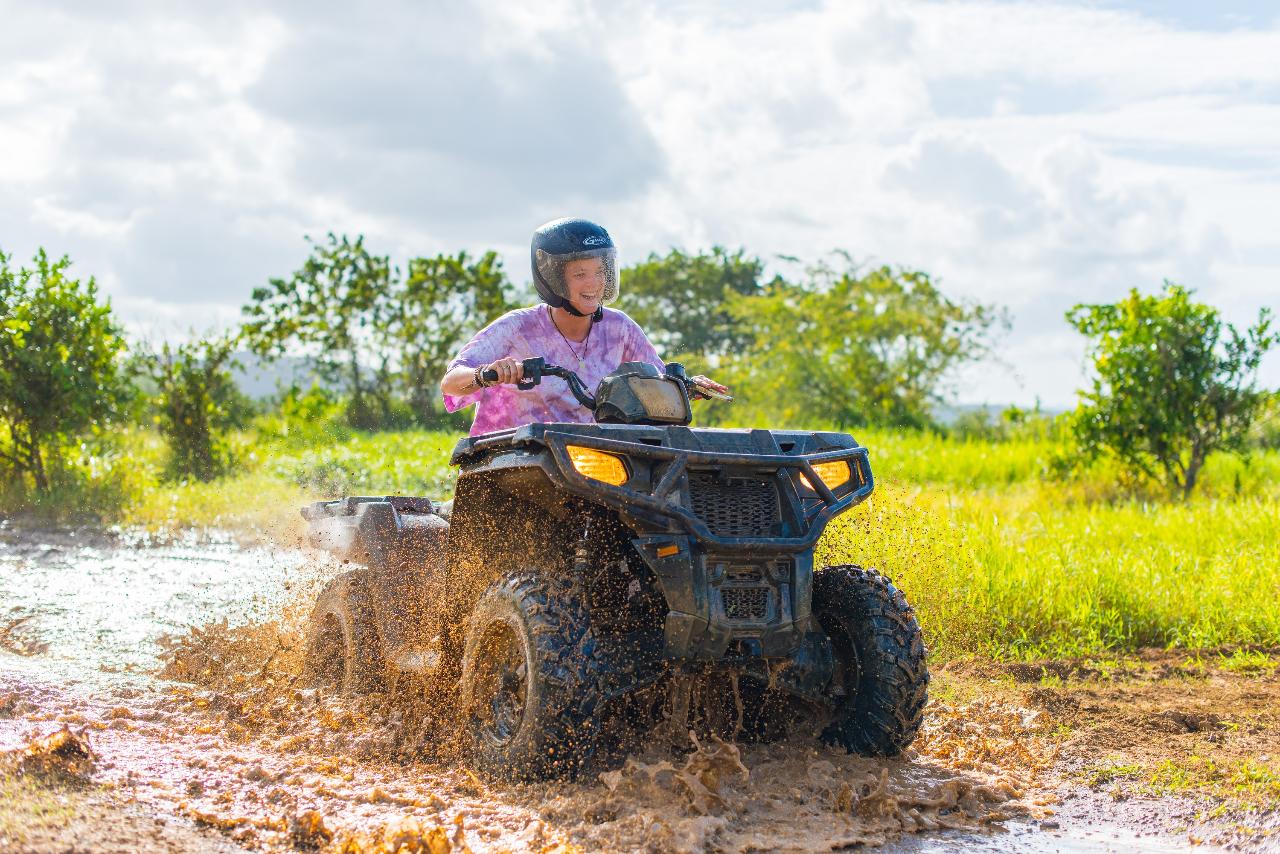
<point x="585" y="279"/>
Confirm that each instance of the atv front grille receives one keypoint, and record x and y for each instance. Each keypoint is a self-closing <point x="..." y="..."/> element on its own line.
<point x="745" y="603"/>
<point x="734" y="506"/>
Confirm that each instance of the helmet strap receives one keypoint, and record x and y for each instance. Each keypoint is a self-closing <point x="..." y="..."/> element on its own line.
<point x="596" y="316"/>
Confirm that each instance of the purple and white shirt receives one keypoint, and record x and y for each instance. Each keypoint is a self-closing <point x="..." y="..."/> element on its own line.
<point x="529" y="332"/>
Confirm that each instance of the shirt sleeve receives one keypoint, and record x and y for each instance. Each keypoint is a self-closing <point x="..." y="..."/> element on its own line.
<point x="637" y="347"/>
<point x="488" y="345"/>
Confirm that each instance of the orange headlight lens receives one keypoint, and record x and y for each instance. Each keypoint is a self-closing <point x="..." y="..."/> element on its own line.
<point x="833" y="474"/>
<point x="597" y="465"/>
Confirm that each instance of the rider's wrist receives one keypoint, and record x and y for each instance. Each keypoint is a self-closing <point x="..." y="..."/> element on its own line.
<point x="477" y="378"/>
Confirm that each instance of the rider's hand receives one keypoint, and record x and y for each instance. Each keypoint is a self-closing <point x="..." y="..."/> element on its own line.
<point x="700" y="380"/>
<point x="509" y="371"/>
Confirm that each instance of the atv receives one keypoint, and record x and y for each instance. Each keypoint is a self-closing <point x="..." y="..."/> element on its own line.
<point x="593" y="580"/>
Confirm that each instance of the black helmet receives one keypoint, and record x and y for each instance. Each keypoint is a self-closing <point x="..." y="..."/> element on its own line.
<point x="563" y="240"/>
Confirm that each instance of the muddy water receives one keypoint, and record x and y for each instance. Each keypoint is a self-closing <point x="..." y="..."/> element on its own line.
<point x="93" y="603"/>
<point x="243" y="745"/>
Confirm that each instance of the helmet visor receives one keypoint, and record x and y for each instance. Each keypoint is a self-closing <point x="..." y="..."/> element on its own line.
<point x="590" y="275"/>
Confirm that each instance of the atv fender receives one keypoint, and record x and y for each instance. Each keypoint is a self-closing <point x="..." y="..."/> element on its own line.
<point x="402" y="541"/>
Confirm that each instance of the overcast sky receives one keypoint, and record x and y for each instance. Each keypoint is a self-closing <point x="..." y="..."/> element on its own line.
<point x="1028" y="154"/>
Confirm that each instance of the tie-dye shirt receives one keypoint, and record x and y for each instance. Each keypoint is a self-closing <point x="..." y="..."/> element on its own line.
<point x="529" y="332"/>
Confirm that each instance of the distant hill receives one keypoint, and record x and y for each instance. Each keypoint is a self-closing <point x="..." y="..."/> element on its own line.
<point x="947" y="414"/>
<point x="261" y="379"/>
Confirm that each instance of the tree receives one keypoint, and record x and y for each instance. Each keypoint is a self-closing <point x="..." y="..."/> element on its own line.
<point x="59" y="360"/>
<point x="196" y="401"/>
<point x="1172" y="383"/>
<point x="337" y="306"/>
<point x="851" y="348"/>
<point x="445" y="300"/>
<point x="682" y="300"/>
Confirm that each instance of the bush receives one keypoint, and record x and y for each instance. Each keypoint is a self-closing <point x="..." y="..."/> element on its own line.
<point x="59" y="364"/>
<point x="196" y="402"/>
<point x="1172" y="384"/>
<point x="94" y="479"/>
<point x="306" y="417"/>
<point x="1265" y="434"/>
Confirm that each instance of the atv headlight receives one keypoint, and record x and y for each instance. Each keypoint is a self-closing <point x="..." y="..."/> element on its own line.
<point x="833" y="474"/>
<point x="597" y="465"/>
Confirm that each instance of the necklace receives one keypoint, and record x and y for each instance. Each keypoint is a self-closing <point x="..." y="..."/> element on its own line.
<point x="581" y="357"/>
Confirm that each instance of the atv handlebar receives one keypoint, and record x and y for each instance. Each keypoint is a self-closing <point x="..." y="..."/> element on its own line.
<point x="533" y="370"/>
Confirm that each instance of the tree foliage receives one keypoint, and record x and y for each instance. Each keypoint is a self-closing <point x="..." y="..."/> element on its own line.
<point x="196" y="401"/>
<point x="682" y="301"/>
<point x="59" y="362"/>
<point x="445" y="300"/>
<point x="854" y="348"/>
<point x="1172" y="383"/>
<point x="337" y="306"/>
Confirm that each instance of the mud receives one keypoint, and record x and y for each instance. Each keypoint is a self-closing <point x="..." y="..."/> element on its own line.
<point x="212" y="726"/>
<point x="1165" y="741"/>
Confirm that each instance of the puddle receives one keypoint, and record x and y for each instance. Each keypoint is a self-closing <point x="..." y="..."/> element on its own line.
<point x="90" y="603"/>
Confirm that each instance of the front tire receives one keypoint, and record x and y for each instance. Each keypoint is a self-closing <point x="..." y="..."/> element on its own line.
<point x="881" y="682"/>
<point x="343" y="653"/>
<point x="531" y="680"/>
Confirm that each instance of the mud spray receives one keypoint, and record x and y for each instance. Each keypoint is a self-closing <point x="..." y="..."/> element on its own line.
<point x="228" y="733"/>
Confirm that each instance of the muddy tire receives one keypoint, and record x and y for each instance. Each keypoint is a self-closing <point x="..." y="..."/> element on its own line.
<point x="343" y="653"/>
<point x="881" y="680"/>
<point x="531" y="680"/>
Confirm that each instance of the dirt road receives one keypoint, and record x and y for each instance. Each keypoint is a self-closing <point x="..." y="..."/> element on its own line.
<point x="223" y="747"/>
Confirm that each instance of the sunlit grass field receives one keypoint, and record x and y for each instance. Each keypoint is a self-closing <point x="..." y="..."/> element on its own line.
<point x="1002" y="552"/>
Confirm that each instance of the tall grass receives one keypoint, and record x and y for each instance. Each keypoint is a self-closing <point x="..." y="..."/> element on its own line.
<point x="1022" y="573"/>
<point x="924" y="457"/>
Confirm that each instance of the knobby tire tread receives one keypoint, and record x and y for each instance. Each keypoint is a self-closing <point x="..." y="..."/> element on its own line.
<point x="572" y="672"/>
<point x="885" y="713"/>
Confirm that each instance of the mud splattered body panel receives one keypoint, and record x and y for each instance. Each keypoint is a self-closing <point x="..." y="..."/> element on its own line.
<point x="725" y="520"/>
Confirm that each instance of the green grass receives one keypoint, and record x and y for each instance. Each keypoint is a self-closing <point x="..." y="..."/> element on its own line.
<point x="908" y="456"/>
<point x="1101" y="775"/>
<point x="1000" y="555"/>
<point x="33" y="806"/>
<point x="1246" y="781"/>
<point x="1249" y="662"/>
<point x="1023" y="574"/>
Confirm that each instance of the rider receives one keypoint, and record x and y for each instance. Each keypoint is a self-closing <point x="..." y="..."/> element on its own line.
<point x="575" y="269"/>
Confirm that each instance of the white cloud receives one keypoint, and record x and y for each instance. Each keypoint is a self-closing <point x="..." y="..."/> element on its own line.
<point x="1030" y="154"/>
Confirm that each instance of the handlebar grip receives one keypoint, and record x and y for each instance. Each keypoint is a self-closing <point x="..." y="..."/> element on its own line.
<point x="489" y="375"/>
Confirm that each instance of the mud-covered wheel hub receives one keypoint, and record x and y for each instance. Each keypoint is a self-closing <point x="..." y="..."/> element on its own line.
<point x="531" y="679"/>
<point x="342" y="650"/>
<point x="327" y="653"/>
<point x="848" y="670"/>
<point x="501" y="686"/>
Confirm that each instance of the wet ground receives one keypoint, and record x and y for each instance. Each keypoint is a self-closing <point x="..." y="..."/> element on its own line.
<point x="209" y="734"/>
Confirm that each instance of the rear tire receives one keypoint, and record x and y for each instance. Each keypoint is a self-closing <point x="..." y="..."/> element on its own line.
<point x="881" y="682"/>
<point x="343" y="652"/>
<point x="531" y="680"/>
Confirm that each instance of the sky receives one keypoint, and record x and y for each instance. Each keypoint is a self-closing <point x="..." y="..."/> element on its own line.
<point x="1028" y="154"/>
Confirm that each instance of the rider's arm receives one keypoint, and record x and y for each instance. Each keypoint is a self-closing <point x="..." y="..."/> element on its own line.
<point x="638" y="348"/>
<point x="463" y="380"/>
<point x="488" y="346"/>
<point x="459" y="381"/>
